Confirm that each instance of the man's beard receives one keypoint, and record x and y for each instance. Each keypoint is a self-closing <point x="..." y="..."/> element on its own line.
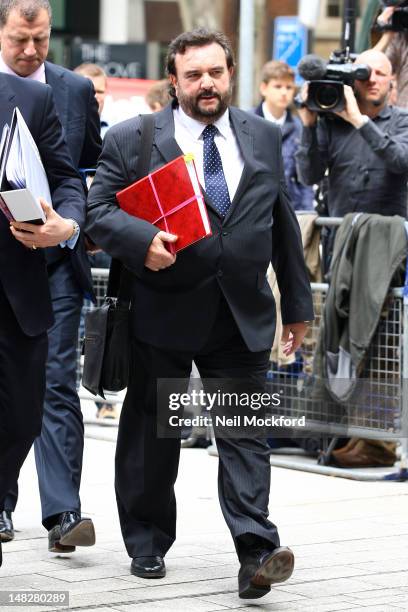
<point x="191" y="106"/>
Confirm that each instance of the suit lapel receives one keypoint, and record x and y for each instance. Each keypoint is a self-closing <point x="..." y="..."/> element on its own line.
<point x="55" y="78"/>
<point x="164" y="135"/>
<point x="7" y="102"/>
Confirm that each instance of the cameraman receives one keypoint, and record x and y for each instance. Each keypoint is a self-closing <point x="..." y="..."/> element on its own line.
<point x="365" y="148"/>
<point x="395" y="46"/>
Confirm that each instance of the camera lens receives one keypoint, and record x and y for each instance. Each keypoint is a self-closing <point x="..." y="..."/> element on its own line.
<point x="327" y="96"/>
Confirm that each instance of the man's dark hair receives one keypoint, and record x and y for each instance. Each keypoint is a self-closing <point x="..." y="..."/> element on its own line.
<point x="200" y="37"/>
<point x="28" y="9"/>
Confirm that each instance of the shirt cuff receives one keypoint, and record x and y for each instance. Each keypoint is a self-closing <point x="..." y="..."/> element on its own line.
<point x="365" y="119"/>
<point x="72" y="241"/>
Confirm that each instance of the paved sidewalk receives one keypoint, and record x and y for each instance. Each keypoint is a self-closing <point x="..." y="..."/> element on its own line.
<point x="350" y="540"/>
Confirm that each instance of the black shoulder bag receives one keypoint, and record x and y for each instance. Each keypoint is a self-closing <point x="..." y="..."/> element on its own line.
<point x="107" y="327"/>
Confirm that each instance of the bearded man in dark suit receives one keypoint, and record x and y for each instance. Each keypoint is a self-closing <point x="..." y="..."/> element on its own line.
<point x="211" y="304"/>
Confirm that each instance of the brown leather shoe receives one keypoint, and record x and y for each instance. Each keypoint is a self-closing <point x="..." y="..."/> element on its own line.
<point x="364" y="455"/>
<point x="346" y="448"/>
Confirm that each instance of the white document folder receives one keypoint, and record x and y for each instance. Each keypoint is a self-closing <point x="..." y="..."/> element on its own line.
<point x="23" y="206"/>
<point x="22" y="167"/>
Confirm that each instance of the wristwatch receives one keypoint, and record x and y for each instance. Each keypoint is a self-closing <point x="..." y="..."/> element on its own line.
<point x="75" y="229"/>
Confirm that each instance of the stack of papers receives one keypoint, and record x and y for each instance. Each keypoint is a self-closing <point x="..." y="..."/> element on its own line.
<point x="21" y="169"/>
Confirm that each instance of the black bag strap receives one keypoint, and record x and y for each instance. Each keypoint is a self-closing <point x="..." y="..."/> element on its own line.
<point x="146" y="143"/>
<point x="120" y="279"/>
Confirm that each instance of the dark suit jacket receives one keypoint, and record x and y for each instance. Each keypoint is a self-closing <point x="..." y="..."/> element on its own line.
<point x="23" y="272"/>
<point x="78" y="112"/>
<point x="175" y="308"/>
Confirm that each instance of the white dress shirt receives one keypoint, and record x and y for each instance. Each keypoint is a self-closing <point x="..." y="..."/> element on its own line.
<point x="268" y="115"/>
<point x="188" y="135"/>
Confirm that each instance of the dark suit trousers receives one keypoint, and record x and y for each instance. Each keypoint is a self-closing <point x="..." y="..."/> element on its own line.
<point x="146" y="466"/>
<point x="59" y="448"/>
<point x="22" y="387"/>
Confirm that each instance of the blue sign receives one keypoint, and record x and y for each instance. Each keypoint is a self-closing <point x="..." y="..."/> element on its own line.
<point x="290" y="40"/>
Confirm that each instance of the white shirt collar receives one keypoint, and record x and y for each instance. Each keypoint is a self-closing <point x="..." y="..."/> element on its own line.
<point x="38" y="75"/>
<point x="268" y="115"/>
<point x="196" y="127"/>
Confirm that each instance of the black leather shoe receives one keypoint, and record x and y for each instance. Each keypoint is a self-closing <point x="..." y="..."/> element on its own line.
<point x="69" y="532"/>
<point x="260" y="569"/>
<point x="148" y="567"/>
<point x="6" y="526"/>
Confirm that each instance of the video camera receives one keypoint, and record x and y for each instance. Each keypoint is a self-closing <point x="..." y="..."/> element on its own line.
<point x="399" y="18"/>
<point x="326" y="80"/>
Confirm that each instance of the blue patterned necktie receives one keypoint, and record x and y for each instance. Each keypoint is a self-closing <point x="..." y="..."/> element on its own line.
<point x="215" y="183"/>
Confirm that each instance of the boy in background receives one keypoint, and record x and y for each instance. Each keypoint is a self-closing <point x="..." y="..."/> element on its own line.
<point x="278" y="90"/>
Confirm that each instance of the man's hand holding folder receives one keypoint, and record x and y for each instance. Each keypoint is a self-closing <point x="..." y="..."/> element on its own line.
<point x="55" y="230"/>
<point x="158" y="256"/>
<point x="28" y="206"/>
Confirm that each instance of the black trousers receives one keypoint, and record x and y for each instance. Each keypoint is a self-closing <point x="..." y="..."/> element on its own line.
<point x="59" y="448"/>
<point x="146" y="466"/>
<point x="22" y="388"/>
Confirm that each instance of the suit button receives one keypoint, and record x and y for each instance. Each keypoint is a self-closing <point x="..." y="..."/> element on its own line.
<point x="220" y="273"/>
<point x="225" y="233"/>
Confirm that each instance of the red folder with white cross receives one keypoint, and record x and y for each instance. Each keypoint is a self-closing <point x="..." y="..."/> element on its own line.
<point x="170" y="198"/>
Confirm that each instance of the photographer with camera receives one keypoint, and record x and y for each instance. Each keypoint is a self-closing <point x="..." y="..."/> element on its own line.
<point x="393" y="21"/>
<point x="364" y="146"/>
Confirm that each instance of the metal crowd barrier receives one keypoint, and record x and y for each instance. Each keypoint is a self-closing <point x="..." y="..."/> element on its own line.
<point x="378" y="412"/>
<point x="378" y="409"/>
